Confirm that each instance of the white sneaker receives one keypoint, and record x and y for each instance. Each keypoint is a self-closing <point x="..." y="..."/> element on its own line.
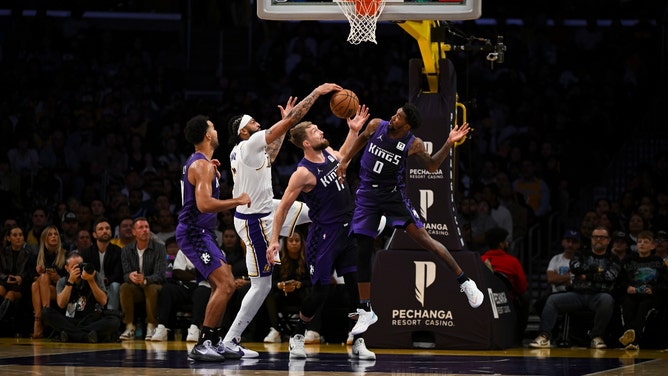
<point x="193" y="334"/>
<point x="350" y="339"/>
<point x="274" y="336"/>
<point x="129" y="333"/>
<point x="364" y="320"/>
<point x="159" y="334"/>
<point x="297" y="347"/>
<point x="474" y="295"/>
<point x="150" y="331"/>
<point x="311" y="337"/>
<point x="235" y="346"/>
<point x="541" y="342"/>
<point x="361" y="352"/>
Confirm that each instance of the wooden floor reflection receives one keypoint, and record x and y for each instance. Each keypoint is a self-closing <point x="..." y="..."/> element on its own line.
<point x="46" y="357"/>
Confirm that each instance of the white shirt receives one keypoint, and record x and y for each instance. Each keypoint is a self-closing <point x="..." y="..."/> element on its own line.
<point x="560" y="265"/>
<point x="251" y="172"/>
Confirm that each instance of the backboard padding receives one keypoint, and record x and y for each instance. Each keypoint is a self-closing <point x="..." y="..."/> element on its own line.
<point x="395" y="10"/>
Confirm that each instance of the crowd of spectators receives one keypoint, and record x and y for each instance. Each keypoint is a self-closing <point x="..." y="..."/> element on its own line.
<point x="91" y="117"/>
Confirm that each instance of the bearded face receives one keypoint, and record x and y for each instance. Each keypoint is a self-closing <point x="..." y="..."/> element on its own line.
<point x="322" y="145"/>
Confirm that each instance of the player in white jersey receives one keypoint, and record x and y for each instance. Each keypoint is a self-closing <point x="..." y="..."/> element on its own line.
<point x="250" y="160"/>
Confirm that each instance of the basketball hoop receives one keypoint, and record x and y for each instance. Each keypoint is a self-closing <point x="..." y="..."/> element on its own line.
<point x="363" y="16"/>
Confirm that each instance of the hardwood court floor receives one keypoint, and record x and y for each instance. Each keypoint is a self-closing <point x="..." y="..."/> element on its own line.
<point x="22" y="356"/>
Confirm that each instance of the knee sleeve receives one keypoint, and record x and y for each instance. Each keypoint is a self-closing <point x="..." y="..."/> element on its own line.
<point x="365" y="247"/>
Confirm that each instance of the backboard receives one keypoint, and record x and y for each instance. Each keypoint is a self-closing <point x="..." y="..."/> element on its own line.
<point x="395" y="10"/>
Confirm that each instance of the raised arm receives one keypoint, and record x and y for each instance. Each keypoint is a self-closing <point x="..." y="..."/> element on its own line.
<point x="359" y="143"/>
<point x="355" y="124"/>
<point x="432" y="162"/>
<point x="295" y="114"/>
<point x="274" y="147"/>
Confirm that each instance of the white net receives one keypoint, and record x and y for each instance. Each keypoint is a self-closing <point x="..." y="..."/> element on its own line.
<point x="363" y="17"/>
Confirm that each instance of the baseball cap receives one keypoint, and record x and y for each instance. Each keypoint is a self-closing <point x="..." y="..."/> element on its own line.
<point x="571" y="234"/>
<point x="69" y="216"/>
<point x="619" y="235"/>
<point x="661" y="234"/>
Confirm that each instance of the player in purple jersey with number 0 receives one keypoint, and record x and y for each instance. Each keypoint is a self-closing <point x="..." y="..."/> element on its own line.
<point x="329" y="247"/>
<point x="387" y="145"/>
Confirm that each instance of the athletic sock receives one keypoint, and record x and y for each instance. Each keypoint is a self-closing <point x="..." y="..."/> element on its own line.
<point x="462" y="278"/>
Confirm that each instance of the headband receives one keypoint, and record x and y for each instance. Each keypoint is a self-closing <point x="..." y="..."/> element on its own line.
<point x="244" y="121"/>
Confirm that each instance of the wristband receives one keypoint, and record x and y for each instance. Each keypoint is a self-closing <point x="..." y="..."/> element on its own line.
<point x="68" y="283"/>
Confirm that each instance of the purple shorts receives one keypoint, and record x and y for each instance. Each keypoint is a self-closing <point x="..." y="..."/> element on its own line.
<point x="372" y="204"/>
<point x="328" y="248"/>
<point x="200" y="246"/>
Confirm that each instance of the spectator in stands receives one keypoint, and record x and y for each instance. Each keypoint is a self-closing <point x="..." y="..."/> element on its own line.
<point x="14" y="270"/>
<point x="595" y="274"/>
<point x="48" y="266"/>
<point x="166" y="224"/>
<point x="635" y="226"/>
<point x="558" y="269"/>
<point x="85" y="217"/>
<point x="661" y="245"/>
<point x="124" y="235"/>
<point x="644" y="280"/>
<point x="70" y="229"/>
<point x="82" y="296"/>
<point x="587" y="225"/>
<point x="480" y="224"/>
<point x="620" y="246"/>
<point x="106" y="258"/>
<point x="84" y="240"/>
<point x="291" y="284"/>
<point x="534" y="189"/>
<point x="144" y="267"/>
<point x="177" y="292"/>
<point x="510" y="268"/>
<point x="97" y="209"/>
<point x="499" y="213"/>
<point x="521" y="212"/>
<point x="39" y="221"/>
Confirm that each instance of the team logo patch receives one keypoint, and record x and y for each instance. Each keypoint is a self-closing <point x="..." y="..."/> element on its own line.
<point x="205" y="257"/>
<point x="401" y="146"/>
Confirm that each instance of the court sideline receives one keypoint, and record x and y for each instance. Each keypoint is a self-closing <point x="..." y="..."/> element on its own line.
<point x="23" y="356"/>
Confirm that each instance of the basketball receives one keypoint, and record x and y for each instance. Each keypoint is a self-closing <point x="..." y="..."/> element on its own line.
<point x="344" y="104"/>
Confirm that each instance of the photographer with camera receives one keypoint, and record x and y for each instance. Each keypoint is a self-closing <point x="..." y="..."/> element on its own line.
<point x="81" y="294"/>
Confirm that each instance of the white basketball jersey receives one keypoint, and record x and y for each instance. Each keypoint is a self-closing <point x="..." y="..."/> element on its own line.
<point x="251" y="173"/>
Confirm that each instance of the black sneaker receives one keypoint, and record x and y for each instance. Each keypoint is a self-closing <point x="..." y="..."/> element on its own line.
<point x="205" y="352"/>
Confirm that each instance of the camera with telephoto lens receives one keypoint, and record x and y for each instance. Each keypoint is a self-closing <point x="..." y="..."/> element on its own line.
<point x="641" y="289"/>
<point x="87" y="267"/>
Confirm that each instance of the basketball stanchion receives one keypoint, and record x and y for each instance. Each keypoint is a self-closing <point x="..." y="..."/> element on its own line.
<point x="363" y="17"/>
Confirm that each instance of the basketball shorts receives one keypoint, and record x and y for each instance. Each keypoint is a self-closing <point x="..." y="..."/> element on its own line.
<point x="329" y="248"/>
<point x="200" y="246"/>
<point x="372" y="204"/>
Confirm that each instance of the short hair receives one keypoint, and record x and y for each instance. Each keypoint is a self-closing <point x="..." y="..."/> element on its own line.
<point x="72" y="254"/>
<point x="100" y="220"/>
<point x="196" y="129"/>
<point x="646" y="234"/>
<point x="413" y="116"/>
<point x="298" y="134"/>
<point x="495" y="236"/>
<point x="233" y="128"/>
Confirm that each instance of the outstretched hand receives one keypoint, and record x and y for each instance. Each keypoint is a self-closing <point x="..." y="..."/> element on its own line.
<point x="292" y="101"/>
<point x="458" y="133"/>
<point x="327" y="88"/>
<point x="357" y="122"/>
<point x="216" y="164"/>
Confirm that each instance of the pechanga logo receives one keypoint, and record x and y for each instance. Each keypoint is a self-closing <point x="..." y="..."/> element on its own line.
<point x="425" y="275"/>
<point x="426" y="201"/>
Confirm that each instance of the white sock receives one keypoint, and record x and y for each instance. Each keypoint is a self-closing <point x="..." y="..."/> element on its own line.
<point x="251" y="303"/>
